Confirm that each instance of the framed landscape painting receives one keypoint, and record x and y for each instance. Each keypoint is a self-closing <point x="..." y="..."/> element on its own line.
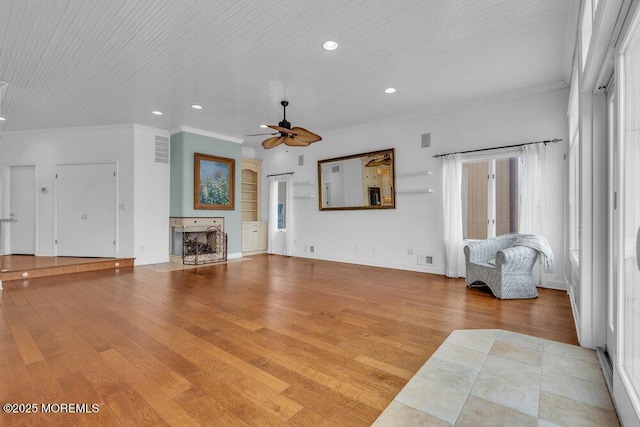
<point x="213" y="182"/>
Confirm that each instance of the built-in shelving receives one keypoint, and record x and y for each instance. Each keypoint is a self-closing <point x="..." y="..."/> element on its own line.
<point x="254" y="231"/>
<point x="250" y="198"/>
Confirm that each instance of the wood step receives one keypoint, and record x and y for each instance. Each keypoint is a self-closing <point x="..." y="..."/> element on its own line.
<point x="40" y="268"/>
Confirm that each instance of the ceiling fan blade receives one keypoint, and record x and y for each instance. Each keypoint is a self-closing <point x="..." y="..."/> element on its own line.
<point x="381" y="159"/>
<point x="300" y="133"/>
<point x="377" y="162"/>
<point x="293" y="141"/>
<point x="261" y="134"/>
<point x="273" y="142"/>
<point x="304" y="135"/>
<point x="280" y="129"/>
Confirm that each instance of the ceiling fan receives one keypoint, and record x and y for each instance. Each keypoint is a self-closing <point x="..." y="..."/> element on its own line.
<point x="293" y="136"/>
<point x="379" y="159"/>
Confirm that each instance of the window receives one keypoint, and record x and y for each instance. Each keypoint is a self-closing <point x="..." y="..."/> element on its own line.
<point x="574" y="168"/>
<point x="490" y="197"/>
<point x="282" y="205"/>
<point x="586" y="30"/>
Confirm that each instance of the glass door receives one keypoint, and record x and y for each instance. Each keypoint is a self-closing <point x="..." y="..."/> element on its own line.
<point x="614" y="220"/>
<point x="626" y="382"/>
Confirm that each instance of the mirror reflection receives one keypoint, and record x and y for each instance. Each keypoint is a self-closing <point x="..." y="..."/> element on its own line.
<point x="359" y="181"/>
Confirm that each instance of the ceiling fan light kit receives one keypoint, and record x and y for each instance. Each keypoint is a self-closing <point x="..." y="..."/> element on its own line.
<point x="285" y="134"/>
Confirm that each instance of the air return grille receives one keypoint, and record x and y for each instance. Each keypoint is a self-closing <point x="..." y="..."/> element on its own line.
<point x="162" y="149"/>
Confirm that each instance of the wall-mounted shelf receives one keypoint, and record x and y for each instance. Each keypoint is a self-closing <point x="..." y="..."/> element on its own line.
<point x="413" y="174"/>
<point x="416" y="191"/>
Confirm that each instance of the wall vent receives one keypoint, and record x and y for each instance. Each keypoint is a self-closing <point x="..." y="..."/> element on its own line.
<point x="335" y="169"/>
<point x="426" y="140"/>
<point x="425" y="259"/>
<point x="300" y="160"/>
<point x="162" y="149"/>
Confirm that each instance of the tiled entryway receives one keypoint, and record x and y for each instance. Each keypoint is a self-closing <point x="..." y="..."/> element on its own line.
<point x="495" y="377"/>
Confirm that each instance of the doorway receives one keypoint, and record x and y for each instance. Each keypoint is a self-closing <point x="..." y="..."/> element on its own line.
<point x="22" y="209"/>
<point x="280" y="241"/>
<point x="623" y="317"/>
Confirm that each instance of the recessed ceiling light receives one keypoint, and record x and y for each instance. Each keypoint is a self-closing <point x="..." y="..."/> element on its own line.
<point x="196" y="106"/>
<point x="330" y="45"/>
<point x="390" y="90"/>
<point x="2" y="119"/>
<point x="264" y="126"/>
<point x="157" y="113"/>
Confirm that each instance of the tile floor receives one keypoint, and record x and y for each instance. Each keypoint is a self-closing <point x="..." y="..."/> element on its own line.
<point x="495" y="377"/>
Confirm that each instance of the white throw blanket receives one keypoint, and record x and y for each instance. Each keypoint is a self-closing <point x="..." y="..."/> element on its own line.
<point x="539" y="244"/>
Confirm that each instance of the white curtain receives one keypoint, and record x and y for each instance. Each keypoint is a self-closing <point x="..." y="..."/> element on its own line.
<point x="532" y="212"/>
<point x="273" y="215"/>
<point x="280" y="241"/>
<point x="289" y="215"/>
<point x="452" y="197"/>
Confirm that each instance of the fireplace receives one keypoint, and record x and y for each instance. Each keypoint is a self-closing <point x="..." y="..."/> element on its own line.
<point x="197" y="240"/>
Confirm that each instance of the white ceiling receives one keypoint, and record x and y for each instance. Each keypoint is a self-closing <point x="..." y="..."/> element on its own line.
<point x="99" y="62"/>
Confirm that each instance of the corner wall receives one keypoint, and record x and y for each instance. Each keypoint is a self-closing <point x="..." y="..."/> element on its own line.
<point x="151" y="195"/>
<point x="385" y="237"/>
<point x="183" y="147"/>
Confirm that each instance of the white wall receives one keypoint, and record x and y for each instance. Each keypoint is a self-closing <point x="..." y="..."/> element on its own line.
<point x="383" y="237"/>
<point x="151" y="198"/>
<point x="47" y="148"/>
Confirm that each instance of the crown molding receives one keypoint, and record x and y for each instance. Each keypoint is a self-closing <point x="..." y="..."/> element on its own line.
<point x="151" y="128"/>
<point x="207" y="133"/>
<point x="128" y="126"/>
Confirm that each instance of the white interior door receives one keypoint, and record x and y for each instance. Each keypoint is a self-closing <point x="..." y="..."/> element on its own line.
<point x="22" y="208"/>
<point x="86" y="210"/>
<point x="100" y="211"/>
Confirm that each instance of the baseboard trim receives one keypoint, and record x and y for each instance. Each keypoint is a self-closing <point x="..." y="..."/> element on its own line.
<point x="417" y="268"/>
<point x="555" y="284"/>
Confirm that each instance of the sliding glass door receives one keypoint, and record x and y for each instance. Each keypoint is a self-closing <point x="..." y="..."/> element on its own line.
<point x="627" y="234"/>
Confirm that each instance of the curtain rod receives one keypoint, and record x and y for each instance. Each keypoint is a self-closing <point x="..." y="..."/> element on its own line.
<point x="278" y="174"/>
<point x="504" y="146"/>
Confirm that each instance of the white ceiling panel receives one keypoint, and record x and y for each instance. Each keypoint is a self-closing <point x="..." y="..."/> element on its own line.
<point x="95" y="62"/>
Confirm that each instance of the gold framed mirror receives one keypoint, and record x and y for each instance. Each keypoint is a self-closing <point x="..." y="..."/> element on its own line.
<point x="359" y="181"/>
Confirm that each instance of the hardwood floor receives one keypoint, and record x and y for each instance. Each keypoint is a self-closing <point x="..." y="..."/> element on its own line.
<point x="268" y="341"/>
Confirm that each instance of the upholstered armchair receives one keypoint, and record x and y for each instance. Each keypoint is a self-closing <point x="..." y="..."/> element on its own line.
<point x="504" y="268"/>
